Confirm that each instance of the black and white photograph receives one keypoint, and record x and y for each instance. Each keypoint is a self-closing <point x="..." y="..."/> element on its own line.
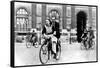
<point x="53" y="33"/>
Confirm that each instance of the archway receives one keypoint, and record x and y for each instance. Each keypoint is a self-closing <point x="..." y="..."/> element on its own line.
<point x="81" y="24"/>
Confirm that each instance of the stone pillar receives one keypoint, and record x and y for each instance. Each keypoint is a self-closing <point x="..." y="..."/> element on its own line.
<point x="73" y="19"/>
<point x="64" y="17"/>
<point x="33" y="15"/>
<point x="43" y="13"/>
<point x="90" y="16"/>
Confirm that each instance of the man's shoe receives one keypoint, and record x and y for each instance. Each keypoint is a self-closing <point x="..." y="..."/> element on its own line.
<point x="54" y="56"/>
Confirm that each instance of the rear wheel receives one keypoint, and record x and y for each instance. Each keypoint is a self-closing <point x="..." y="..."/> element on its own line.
<point x="83" y="44"/>
<point x="58" y="54"/>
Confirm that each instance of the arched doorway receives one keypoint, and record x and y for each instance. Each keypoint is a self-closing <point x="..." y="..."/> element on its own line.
<point x="81" y="24"/>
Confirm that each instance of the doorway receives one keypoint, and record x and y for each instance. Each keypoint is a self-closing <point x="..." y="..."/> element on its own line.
<point x="81" y="24"/>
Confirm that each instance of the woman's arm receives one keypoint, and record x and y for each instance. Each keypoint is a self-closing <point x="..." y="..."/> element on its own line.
<point x="43" y="30"/>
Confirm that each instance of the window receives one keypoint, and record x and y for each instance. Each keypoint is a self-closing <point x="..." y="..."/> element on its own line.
<point x="68" y="11"/>
<point x="22" y="11"/>
<point x="22" y="20"/>
<point x="68" y="17"/>
<point x="68" y="20"/>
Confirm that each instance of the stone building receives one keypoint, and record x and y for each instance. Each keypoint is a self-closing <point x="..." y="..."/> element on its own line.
<point x="33" y="15"/>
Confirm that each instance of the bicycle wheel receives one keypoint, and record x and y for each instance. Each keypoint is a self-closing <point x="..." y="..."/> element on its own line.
<point x="44" y="54"/>
<point x="92" y="43"/>
<point x="87" y="45"/>
<point x="58" y="54"/>
<point x="36" y="45"/>
<point x="28" y="44"/>
<point x="82" y="45"/>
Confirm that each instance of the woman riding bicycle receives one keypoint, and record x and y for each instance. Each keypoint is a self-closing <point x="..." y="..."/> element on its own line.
<point x="48" y="32"/>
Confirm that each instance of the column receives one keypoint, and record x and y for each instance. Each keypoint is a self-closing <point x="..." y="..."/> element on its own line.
<point x="33" y="15"/>
<point x="73" y="19"/>
<point x="90" y="16"/>
<point x="64" y="17"/>
<point x="43" y="13"/>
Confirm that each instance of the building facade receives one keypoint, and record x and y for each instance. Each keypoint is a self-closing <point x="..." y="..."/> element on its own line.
<point x="30" y="15"/>
<point x="33" y="15"/>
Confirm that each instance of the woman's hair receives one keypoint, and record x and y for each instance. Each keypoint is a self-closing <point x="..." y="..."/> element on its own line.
<point x="50" y="21"/>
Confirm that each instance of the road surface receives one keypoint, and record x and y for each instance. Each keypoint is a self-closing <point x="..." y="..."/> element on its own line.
<point x="69" y="53"/>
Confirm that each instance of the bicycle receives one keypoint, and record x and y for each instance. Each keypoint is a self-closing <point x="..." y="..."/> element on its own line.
<point x="31" y="41"/>
<point x="46" y="50"/>
<point x="84" y="43"/>
<point x="87" y="44"/>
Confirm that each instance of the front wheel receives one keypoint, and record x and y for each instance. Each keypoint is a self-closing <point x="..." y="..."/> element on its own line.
<point x="91" y="44"/>
<point x="44" y="54"/>
<point x="84" y="45"/>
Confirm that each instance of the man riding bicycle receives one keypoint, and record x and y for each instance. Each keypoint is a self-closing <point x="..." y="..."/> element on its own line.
<point x="57" y="34"/>
<point x="88" y="35"/>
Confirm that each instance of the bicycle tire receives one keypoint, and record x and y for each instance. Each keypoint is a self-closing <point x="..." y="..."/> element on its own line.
<point x="40" y="57"/>
<point x="59" y="52"/>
